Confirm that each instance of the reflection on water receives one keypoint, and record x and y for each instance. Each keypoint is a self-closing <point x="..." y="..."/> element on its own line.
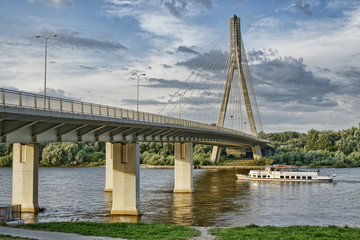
<point x="219" y="199"/>
<point x="182" y="208"/>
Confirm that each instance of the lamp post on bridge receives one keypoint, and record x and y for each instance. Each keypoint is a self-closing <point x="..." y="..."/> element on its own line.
<point x="46" y="39"/>
<point x="137" y="94"/>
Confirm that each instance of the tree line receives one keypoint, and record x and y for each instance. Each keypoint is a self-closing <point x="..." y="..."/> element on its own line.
<point x="62" y="154"/>
<point x="93" y="154"/>
<point x="314" y="148"/>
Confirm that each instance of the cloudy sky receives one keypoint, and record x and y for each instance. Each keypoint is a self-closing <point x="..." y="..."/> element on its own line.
<point x="304" y="55"/>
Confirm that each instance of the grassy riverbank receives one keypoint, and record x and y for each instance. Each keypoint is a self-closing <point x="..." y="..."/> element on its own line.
<point x="292" y="233"/>
<point x="120" y="230"/>
<point x="168" y="231"/>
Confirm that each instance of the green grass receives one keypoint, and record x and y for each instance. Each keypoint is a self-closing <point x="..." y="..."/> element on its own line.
<point x="254" y="232"/>
<point x="8" y="237"/>
<point x="120" y="230"/>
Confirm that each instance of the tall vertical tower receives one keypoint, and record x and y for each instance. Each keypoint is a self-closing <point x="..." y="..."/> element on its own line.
<point x="235" y="64"/>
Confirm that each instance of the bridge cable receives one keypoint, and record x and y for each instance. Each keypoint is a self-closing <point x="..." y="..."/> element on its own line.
<point x="200" y="84"/>
<point x="183" y="84"/>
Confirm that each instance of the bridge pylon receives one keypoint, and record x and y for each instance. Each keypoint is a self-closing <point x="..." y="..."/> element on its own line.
<point x="236" y="64"/>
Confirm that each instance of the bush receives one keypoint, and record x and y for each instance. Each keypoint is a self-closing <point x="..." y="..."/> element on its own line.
<point x="72" y="154"/>
<point x="202" y="159"/>
<point x="6" y="161"/>
<point x="353" y="159"/>
<point x="95" y="157"/>
<point x="262" y="161"/>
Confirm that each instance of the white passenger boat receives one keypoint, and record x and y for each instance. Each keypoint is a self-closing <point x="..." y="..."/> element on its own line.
<point x="280" y="173"/>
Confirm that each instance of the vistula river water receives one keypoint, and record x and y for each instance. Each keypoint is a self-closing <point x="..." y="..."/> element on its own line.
<point x="77" y="194"/>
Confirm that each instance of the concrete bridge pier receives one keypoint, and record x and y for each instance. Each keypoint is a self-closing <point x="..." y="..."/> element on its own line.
<point x="126" y="179"/>
<point x="183" y="167"/>
<point x="256" y="152"/>
<point x="25" y="177"/>
<point x="109" y="167"/>
<point x="215" y="154"/>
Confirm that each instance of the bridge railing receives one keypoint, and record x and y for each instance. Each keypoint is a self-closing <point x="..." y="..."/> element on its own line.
<point x="39" y="102"/>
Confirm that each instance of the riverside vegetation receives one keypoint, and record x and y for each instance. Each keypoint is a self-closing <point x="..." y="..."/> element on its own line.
<point x="291" y="233"/>
<point x="169" y="231"/>
<point x="314" y="149"/>
<point x="142" y="231"/>
<point x="93" y="154"/>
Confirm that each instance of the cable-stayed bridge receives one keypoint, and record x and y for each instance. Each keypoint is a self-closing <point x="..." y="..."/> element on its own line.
<point x="210" y="106"/>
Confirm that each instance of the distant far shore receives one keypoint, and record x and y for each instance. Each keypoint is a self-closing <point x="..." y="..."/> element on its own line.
<point x="172" y="167"/>
<point x="203" y="167"/>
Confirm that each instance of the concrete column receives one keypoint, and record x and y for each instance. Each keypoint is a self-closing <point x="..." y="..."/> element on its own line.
<point x="256" y="152"/>
<point x="126" y="179"/>
<point x="215" y="155"/>
<point x="109" y="167"/>
<point x="25" y="176"/>
<point x="183" y="167"/>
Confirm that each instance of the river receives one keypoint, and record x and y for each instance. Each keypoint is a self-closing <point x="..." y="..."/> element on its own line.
<point x="77" y="194"/>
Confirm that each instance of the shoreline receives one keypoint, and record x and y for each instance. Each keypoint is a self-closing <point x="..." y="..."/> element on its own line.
<point x="202" y="167"/>
<point x="194" y="167"/>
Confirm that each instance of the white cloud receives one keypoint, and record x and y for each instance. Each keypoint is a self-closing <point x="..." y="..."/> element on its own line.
<point x="321" y="42"/>
<point x="55" y="3"/>
<point x="266" y="22"/>
<point x="336" y="4"/>
<point x="123" y="8"/>
<point x="176" y="31"/>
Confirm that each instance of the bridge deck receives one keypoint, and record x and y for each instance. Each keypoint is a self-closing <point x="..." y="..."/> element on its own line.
<point x="23" y="118"/>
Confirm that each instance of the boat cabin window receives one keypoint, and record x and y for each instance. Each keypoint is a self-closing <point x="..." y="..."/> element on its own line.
<point x="281" y="176"/>
<point x="298" y="177"/>
<point x="287" y="177"/>
<point x="293" y="177"/>
<point x="254" y="175"/>
<point x="309" y="177"/>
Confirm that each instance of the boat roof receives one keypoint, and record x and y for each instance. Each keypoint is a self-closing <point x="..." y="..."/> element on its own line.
<point x="281" y="166"/>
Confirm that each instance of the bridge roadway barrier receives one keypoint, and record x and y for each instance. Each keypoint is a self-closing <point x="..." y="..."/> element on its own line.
<point x="27" y="119"/>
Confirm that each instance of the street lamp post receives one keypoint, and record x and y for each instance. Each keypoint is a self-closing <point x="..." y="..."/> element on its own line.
<point x="137" y="95"/>
<point x="46" y="39"/>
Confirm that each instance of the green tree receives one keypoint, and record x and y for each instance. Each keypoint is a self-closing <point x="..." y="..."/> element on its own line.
<point x="57" y="154"/>
<point x="6" y="161"/>
<point x="312" y="139"/>
<point x="5" y="149"/>
<point x="323" y="142"/>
